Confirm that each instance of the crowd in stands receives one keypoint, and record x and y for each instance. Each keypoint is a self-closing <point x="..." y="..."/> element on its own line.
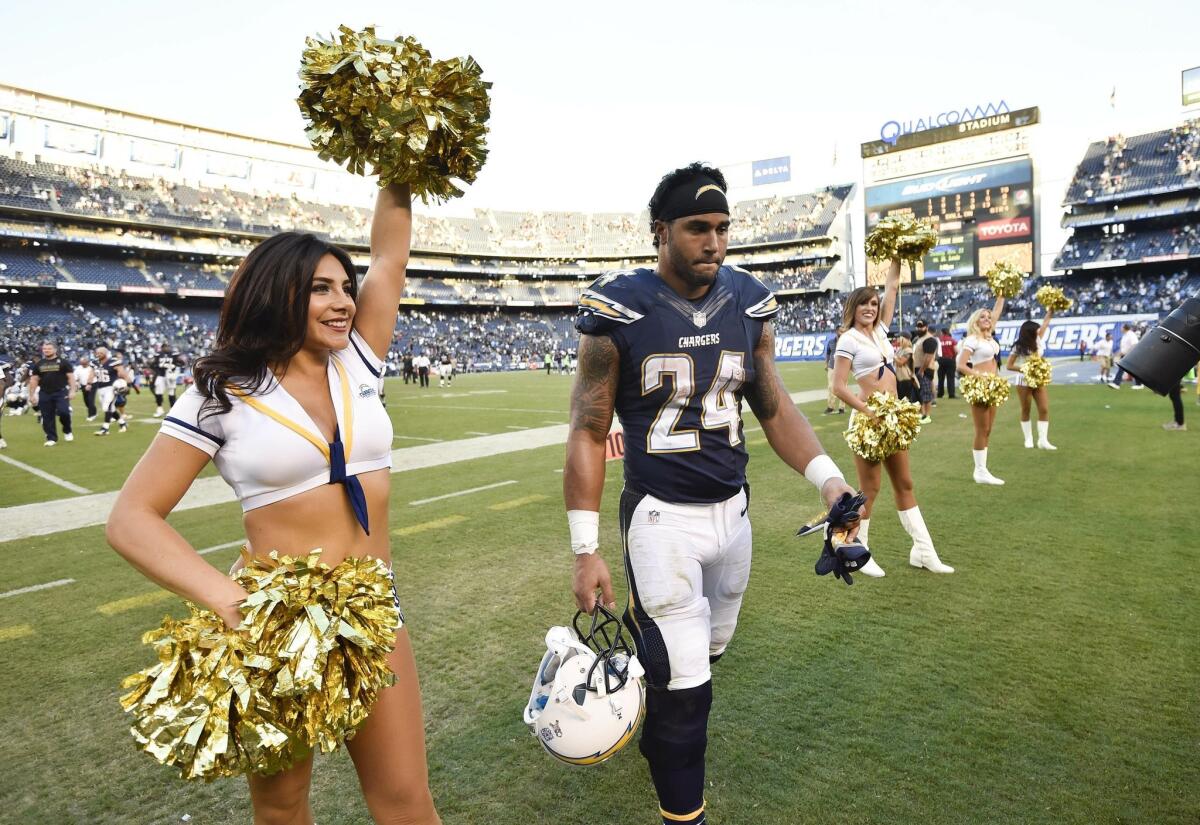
<point x="1124" y="165"/>
<point x="495" y="339"/>
<point x="117" y="194"/>
<point x="806" y="277"/>
<point x="1089" y="246"/>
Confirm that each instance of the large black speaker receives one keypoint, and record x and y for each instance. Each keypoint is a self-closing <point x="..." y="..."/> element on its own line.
<point x="1166" y="353"/>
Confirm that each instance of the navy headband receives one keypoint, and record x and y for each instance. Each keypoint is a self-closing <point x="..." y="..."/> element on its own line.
<point x="698" y="196"/>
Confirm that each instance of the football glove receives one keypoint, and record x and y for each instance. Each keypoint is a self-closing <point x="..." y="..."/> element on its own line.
<point x="839" y="555"/>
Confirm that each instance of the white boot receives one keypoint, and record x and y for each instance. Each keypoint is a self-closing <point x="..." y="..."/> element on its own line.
<point x="1027" y="431"/>
<point x="982" y="476"/>
<point x="158" y="412"/>
<point x="1043" y="433"/>
<point x="922" y="553"/>
<point x="871" y="568"/>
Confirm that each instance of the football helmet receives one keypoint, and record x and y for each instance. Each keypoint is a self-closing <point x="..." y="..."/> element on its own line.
<point x="120" y="384"/>
<point x="588" y="697"/>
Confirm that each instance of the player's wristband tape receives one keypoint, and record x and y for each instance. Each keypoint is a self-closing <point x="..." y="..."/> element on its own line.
<point x="820" y="470"/>
<point x="585" y="531"/>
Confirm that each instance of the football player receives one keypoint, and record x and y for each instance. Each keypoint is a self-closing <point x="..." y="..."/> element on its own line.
<point x="105" y="372"/>
<point x="6" y="381"/>
<point x="673" y="350"/>
<point x="167" y="367"/>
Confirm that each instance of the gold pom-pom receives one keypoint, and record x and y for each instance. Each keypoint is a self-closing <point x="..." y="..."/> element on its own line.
<point x="988" y="389"/>
<point x="1005" y="280"/>
<point x="898" y="236"/>
<point x="388" y="105"/>
<point x="894" y="429"/>
<point x="1052" y="298"/>
<point x="1037" y="371"/>
<point x="300" y="673"/>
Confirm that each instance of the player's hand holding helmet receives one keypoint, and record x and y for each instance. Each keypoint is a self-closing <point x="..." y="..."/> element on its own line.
<point x="588" y="697"/>
<point x="840" y="555"/>
<point x="120" y="384"/>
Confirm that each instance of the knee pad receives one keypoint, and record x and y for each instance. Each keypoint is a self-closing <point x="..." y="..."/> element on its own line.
<point x="675" y="732"/>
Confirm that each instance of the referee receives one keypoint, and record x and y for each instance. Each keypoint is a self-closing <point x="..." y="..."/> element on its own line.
<point x="51" y="388"/>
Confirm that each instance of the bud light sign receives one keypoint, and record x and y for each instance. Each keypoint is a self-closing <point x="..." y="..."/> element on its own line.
<point x="772" y="170"/>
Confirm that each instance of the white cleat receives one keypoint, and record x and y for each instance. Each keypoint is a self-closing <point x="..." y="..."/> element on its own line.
<point x="49" y="443"/>
<point x="69" y="436"/>
<point x="1028" y="445"/>
<point x="985" y="477"/>
<point x="872" y="569"/>
<point x="3" y="444"/>
<point x="158" y="413"/>
<point x="1046" y="445"/>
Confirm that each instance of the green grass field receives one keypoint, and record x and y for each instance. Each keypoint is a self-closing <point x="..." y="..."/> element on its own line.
<point x="1053" y="678"/>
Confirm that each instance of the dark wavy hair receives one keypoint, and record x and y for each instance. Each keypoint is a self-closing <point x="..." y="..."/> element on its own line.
<point x="264" y="316"/>
<point x="678" y="177"/>
<point x="1027" y="338"/>
<point x="856" y="299"/>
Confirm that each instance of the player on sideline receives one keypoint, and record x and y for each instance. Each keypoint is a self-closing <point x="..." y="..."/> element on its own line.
<point x="106" y="371"/>
<point x="167" y="366"/>
<point x="274" y="406"/>
<point x="1031" y="340"/>
<point x="445" y="369"/>
<point x="976" y="356"/>
<point x="864" y="350"/>
<point x="673" y="350"/>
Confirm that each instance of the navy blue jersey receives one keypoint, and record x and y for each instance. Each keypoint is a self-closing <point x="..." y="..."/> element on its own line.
<point x="104" y="374"/>
<point x="166" y="362"/>
<point x="683" y="368"/>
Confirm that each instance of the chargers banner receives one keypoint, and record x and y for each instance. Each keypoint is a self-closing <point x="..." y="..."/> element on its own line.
<point x="809" y="346"/>
<point x="1062" y="338"/>
<point x="771" y="170"/>
<point x="1064" y="334"/>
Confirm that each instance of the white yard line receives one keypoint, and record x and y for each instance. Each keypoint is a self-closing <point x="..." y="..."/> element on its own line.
<point x="33" y="588"/>
<point x="515" y="427"/>
<point x="417" y="438"/>
<point x="47" y="517"/>
<point x="421" y="501"/>
<point x="474" y="432"/>
<point x="61" y="482"/>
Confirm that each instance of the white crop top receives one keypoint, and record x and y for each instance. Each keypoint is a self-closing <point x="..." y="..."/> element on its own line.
<point x="266" y="460"/>
<point x="980" y="349"/>
<point x="866" y="353"/>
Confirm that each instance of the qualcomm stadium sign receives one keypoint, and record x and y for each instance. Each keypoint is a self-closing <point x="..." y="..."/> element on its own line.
<point x="891" y="131"/>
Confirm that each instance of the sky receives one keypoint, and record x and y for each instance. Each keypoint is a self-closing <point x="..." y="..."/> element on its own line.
<point x="592" y="103"/>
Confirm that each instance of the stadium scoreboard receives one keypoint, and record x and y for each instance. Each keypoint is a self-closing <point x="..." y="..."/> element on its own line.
<point x="974" y="180"/>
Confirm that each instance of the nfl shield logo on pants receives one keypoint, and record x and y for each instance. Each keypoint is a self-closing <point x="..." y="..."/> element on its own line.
<point x="699" y="318"/>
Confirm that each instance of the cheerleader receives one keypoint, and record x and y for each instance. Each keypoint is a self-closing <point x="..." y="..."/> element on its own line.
<point x="1031" y="340"/>
<point x="286" y="408"/>
<point x="864" y="350"/>
<point x="977" y="356"/>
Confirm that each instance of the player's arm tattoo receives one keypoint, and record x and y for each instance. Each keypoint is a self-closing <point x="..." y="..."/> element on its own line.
<point x="595" y="391"/>
<point x="766" y="394"/>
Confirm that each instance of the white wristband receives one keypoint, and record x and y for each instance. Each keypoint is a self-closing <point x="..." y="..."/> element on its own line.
<point x="821" y="469"/>
<point x="585" y="531"/>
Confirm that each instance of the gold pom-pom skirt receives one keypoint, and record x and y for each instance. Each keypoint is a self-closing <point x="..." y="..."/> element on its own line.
<point x="895" y="428"/>
<point x="302" y="671"/>
<point x="987" y="389"/>
<point x="1035" y="372"/>
<point x="387" y="105"/>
